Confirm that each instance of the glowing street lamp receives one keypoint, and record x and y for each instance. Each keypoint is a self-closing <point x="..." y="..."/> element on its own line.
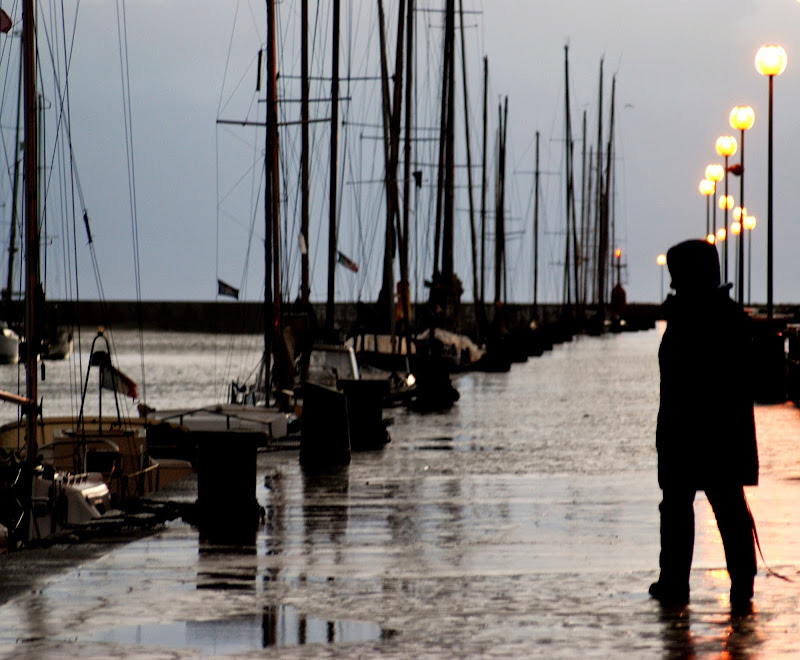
<point x="742" y="117"/>
<point x="661" y="260"/>
<point x="725" y="202"/>
<point x="770" y="62"/>
<point x="714" y="172"/>
<point x="711" y="239"/>
<point x="618" y="257"/>
<point x="726" y="147"/>
<point x="749" y="225"/>
<point x="722" y="234"/>
<point x="707" y="188"/>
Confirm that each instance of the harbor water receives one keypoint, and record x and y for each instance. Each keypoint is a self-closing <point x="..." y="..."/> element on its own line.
<point x="523" y="522"/>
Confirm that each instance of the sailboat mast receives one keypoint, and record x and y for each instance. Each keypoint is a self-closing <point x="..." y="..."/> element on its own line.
<point x="472" y="231"/>
<point x="608" y="228"/>
<point x="448" y="221"/>
<point x="304" y="153"/>
<point x="12" y="238"/>
<point x="584" y="206"/>
<point x="568" y="181"/>
<point x="404" y="279"/>
<point x="586" y="188"/>
<point x="602" y="234"/>
<point x="272" y="288"/>
<point x="536" y="232"/>
<point x="576" y="246"/>
<point x="391" y="134"/>
<point x="332" y="237"/>
<point x="31" y="191"/>
<point x="503" y="199"/>
<point x="482" y="308"/>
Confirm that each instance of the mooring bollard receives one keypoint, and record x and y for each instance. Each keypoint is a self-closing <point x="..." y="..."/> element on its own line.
<point x="227" y="508"/>
<point x="769" y="345"/>
<point x="365" y="413"/>
<point x="325" y="430"/>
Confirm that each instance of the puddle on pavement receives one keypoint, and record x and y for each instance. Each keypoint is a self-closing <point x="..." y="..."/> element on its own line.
<point x="277" y="626"/>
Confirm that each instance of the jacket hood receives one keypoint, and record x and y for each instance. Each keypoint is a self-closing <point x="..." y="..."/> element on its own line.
<point x="693" y="265"/>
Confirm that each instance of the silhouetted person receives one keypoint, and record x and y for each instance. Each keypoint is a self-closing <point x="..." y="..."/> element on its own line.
<point x="706" y="437"/>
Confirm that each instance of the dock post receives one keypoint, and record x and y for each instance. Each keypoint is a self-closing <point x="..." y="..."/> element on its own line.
<point x="325" y="431"/>
<point x="228" y="511"/>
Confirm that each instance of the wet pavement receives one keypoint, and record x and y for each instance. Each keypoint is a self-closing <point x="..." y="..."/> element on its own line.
<point x="523" y="523"/>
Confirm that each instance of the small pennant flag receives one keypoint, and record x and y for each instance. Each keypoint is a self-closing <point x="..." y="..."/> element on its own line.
<point x="224" y="289"/>
<point x="114" y="379"/>
<point x="347" y="262"/>
<point x="5" y="22"/>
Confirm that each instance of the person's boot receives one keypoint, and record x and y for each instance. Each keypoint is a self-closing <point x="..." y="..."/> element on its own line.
<point x="741" y="596"/>
<point x="669" y="595"/>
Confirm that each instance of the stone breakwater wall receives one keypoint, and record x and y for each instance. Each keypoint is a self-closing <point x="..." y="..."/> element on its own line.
<point x="247" y="317"/>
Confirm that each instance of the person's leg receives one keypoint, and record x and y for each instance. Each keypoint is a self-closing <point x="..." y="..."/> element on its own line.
<point x="736" y="529"/>
<point x="677" y="545"/>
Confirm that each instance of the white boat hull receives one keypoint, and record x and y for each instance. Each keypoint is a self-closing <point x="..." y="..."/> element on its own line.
<point x="9" y="346"/>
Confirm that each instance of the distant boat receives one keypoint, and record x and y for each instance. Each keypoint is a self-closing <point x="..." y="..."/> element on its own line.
<point x="9" y="345"/>
<point x="59" y="345"/>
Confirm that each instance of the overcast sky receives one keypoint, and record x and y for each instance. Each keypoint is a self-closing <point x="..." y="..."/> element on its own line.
<point x="680" y="66"/>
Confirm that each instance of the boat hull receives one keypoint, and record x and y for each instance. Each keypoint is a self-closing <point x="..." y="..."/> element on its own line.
<point x="9" y="346"/>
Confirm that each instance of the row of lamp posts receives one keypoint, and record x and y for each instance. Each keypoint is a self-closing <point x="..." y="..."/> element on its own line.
<point x="770" y="61"/>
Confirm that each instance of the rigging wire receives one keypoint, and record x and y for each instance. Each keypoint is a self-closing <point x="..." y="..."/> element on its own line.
<point x="63" y="146"/>
<point x="122" y="32"/>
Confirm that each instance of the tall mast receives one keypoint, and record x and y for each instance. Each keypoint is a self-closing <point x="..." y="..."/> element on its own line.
<point x="536" y="233"/>
<point x="576" y="245"/>
<point x="586" y="186"/>
<point x="273" y="333"/>
<point x="404" y="283"/>
<point x="500" y="227"/>
<point x="391" y="134"/>
<point x="440" y="176"/>
<point x="304" y="153"/>
<point x="332" y="240"/>
<point x="601" y="232"/>
<point x="12" y="238"/>
<point x="482" y="308"/>
<point x="607" y="226"/>
<point x="568" y="181"/>
<point x="448" y="221"/>
<point x="31" y="191"/>
<point x="472" y="232"/>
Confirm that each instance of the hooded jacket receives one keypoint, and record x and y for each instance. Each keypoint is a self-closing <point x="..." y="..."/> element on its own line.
<point x="705" y="435"/>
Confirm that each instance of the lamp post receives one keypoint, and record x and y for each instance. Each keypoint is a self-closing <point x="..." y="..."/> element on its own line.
<point x="726" y="147"/>
<point x="661" y="260"/>
<point x="714" y="172"/>
<point x="725" y="204"/>
<point x="737" y="229"/>
<point x="770" y="62"/>
<point x="749" y="225"/>
<point x="743" y="118"/>
<point x="707" y="188"/>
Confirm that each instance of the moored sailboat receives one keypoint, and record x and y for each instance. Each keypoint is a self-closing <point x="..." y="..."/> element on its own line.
<point x="60" y="473"/>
